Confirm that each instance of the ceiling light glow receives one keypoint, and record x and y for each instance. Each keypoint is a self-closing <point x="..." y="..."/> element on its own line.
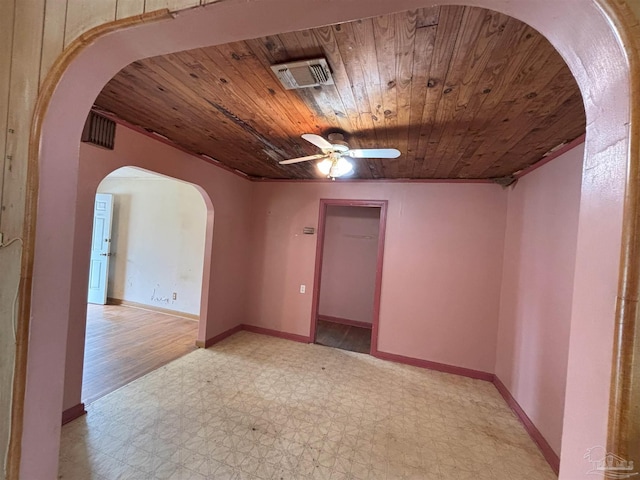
<point x="335" y="168"/>
<point x="325" y="166"/>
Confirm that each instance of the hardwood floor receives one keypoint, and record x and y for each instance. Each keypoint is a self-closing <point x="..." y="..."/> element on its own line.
<point x="124" y="343"/>
<point x="345" y="337"/>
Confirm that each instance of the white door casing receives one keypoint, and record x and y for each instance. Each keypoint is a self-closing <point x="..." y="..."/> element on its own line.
<point x="100" y="248"/>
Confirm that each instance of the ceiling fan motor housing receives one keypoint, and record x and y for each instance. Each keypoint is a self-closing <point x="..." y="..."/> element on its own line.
<point x="333" y="161"/>
<point x="341" y="147"/>
<point x="338" y="143"/>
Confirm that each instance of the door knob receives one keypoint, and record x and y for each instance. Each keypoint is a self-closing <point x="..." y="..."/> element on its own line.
<point x="105" y="254"/>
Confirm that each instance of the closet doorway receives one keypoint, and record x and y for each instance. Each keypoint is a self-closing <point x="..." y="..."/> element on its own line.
<point x="348" y="275"/>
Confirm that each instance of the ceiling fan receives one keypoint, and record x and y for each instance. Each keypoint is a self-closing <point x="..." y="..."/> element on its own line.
<point x="333" y="159"/>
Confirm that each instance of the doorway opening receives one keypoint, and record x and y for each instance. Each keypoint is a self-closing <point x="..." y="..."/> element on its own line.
<point x="145" y="277"/>
<point x="348" y="274"/>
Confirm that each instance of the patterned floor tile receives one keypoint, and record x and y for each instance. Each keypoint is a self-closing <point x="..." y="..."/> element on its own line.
<point x="259" y="408"/>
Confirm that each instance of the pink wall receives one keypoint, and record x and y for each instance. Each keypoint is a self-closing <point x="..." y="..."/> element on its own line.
<point x="583" y="35"/>
<point x="537" y="290"/>
<point x="226" y="265"/>
<point x="349" y="263"/>
<point x="441" y="274"/>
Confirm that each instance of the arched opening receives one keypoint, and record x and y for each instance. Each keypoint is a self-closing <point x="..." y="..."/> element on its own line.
<point x="600" y="221"/>
<point x="96" y="165"/>
<point x="145" y="278"/>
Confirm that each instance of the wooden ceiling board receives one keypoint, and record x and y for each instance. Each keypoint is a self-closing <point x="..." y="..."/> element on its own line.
<point x="475" y="74"/>
<point x="480" y="110"/>
<point x="501" y="116"/>
<point x="521" y="114"/>
<point x="462" y="92"/>
<point x="447" y="30"/>
<point x="477" y="35"/>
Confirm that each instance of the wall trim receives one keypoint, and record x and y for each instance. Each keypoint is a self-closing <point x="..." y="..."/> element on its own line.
<point x="253" y="329"/>
<point x="218" y="164"/>
<point x="276" y="333"/>
<point x="166" y="141"/>
<point x="345" y="321"/>
<point x="373" y="180"/>
<point x="153" y="308"/>
<point x="72" y="413"/>
<point x="218" y="338"/>
<point x="547" y="452"/>
<point x="544" y="160"/>
<point x="439" y="367"/>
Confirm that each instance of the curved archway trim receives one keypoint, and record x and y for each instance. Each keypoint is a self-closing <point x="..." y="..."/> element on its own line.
<point x="617" y="12"/>
<point x="29" y="234"/>
<point x="624" y="422"/>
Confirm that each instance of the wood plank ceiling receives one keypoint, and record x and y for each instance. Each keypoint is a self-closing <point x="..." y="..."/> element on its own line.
<point x="462" y="92"/>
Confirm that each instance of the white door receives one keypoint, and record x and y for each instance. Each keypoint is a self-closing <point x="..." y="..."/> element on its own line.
<point x="100" y="248"/>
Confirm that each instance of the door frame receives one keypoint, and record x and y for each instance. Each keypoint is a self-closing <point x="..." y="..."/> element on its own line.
<point x="317" y="276"/>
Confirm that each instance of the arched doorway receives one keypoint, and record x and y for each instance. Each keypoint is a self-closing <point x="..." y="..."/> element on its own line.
<point x="150" y="281"/>
<point x="601" y="208"/>
<point x="99" y="164"/>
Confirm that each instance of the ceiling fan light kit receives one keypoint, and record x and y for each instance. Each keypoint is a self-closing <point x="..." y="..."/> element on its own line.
<point x="334" y="168"/>
<point x="334" y="161"/>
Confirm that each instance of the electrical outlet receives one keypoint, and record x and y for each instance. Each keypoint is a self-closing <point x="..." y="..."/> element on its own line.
<point x="175" y="295"/>
<point x="303" y="288"/>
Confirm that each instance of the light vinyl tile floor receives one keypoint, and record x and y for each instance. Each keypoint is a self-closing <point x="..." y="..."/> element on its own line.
<point x="259" y="408"/>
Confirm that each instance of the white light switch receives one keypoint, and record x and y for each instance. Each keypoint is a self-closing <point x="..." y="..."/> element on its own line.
<point x="303" y="288"/>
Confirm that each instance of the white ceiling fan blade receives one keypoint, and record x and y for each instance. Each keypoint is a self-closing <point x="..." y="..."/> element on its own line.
<point x="374" y="153"/>
<point x="303" y="159"/>
<point x="317" y="140"/>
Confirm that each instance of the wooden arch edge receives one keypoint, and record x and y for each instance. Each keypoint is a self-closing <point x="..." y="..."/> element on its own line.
<point x="623" y="432"/>
<point x="29" y="229"/>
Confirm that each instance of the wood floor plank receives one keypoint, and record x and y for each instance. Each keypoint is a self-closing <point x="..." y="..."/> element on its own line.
<point x="124" y="343"/>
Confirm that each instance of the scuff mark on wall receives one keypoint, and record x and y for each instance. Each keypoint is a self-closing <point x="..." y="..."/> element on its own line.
<point x="159" y="235"/>
<point x="157" y="299"/>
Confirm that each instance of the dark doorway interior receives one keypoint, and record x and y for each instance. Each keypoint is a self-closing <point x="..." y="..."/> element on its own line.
<point x="345" y="337"/>
<point x="349" y="266"/>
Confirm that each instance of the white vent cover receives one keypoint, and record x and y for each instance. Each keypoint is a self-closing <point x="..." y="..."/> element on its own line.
<point x="307" y="73"/>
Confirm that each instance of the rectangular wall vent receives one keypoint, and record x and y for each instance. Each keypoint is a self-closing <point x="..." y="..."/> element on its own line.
<point x="307" y="73"/>
<point x="99" y="130"/>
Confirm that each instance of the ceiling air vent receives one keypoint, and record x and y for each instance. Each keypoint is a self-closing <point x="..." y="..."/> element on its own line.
<point x="307" y="73"/>
<point x="99" y="130"/>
